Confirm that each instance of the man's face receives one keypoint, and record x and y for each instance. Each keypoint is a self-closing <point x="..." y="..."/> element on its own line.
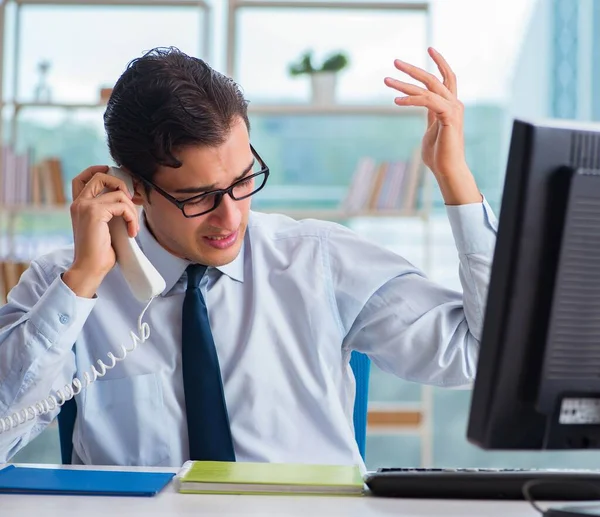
<point x="213" y="239"/>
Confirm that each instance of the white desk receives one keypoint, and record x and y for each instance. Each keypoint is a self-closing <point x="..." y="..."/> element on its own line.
<point x="170" y="503"/>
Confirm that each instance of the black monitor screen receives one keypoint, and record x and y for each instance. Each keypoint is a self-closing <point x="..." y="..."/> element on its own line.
<point x="538" y="376"/>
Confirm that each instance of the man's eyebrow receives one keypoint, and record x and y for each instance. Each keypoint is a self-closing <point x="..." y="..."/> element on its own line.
<point x="208" y="188"/>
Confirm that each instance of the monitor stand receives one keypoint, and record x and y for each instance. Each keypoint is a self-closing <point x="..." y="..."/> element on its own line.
<point x="582" y="510"/>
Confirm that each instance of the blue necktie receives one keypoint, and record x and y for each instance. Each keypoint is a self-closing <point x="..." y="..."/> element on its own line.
<point x="207" y="419"/>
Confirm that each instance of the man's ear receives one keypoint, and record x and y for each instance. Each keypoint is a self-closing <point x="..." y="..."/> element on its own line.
<point x="139" y="192"/>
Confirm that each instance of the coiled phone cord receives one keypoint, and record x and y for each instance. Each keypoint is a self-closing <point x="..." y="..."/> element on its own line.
<point x="76" y="386"/>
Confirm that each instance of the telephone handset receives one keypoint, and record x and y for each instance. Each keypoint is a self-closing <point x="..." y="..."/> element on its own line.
<point x="143" y="279"/>
<point x="145" y="283"/>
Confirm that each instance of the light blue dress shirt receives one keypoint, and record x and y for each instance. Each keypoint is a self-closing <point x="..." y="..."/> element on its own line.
<point x="285" y="316"/>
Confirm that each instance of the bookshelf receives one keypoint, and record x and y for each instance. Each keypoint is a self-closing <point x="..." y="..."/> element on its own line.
<point x="382" y="420"/>
<point x="12" y="262"/>
<point x="33" y="203"/>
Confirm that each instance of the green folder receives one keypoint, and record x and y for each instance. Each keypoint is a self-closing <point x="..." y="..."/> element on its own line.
<point x="215" y="477"/>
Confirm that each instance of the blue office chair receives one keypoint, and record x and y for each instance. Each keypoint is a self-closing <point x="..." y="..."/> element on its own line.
<point x="361" y="366"/>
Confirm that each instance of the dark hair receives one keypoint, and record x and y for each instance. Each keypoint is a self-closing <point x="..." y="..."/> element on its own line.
<point x="166" y="100"/>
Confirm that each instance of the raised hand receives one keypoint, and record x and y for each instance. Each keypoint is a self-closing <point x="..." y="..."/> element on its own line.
<point x="443" y="146"/>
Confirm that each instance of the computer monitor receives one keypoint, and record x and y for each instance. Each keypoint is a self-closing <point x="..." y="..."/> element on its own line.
<point x="538" y="378"/>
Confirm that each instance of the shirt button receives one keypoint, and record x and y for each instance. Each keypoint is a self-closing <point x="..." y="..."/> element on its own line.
<point x="63" y="319"/>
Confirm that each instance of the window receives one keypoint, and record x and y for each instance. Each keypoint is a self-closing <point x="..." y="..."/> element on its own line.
<point x="86" y="47"/>
<point x="268" y="40"/>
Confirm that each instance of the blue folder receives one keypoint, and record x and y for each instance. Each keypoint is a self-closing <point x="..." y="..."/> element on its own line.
<point x="26" y="480"/>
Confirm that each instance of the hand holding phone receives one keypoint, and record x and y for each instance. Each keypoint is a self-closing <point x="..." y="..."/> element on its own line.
<point x="97" y="198"/>
<point x="105" y="222"/>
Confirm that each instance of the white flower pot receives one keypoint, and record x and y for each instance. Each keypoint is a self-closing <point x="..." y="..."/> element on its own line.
<point x="323" y="87"/>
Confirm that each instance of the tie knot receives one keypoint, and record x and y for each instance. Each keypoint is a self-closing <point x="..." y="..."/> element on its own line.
<point x="195" y="272"/>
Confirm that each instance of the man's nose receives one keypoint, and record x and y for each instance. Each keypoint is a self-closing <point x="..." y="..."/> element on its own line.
<point x="227" y="214"/>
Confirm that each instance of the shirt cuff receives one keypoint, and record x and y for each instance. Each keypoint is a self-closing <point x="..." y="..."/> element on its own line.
<point x="59" y="311"/>
<point x="474" y="227"/>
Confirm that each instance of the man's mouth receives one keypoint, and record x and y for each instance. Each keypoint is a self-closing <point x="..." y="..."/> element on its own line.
<point x="221" y="241"/>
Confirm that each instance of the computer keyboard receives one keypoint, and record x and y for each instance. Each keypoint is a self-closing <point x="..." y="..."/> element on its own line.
<point x="485" y="483"/>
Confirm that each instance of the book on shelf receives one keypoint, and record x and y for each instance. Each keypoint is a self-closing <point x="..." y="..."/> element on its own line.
<point x="391" y="186"/>
<point x="221" y="477"/>
<point x="10" y="273"/>
<point x="26" y="182"/>
<point x="105" y="93"/>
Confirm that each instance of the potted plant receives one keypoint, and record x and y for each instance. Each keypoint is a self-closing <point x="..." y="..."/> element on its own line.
<point x="323" y="78"/>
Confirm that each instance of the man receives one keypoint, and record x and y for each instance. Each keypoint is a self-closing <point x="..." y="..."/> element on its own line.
<point x="248" y="357"/>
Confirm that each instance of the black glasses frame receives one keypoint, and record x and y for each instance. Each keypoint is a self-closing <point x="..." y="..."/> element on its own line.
<point x="219" y="193"/>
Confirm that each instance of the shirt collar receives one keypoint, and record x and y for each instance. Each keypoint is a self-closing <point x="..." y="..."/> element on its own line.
<point x="171" y="268"/>
<point x="235" y="269"/>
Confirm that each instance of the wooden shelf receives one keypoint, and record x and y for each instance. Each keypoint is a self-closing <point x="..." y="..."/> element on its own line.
<point x="336" y="109"/>
<point x="384" y="418"/>
<point x="264" y="109"/>
<point x="34" y="209"/>
<point x="340" y="215"/>
<point x="126" y="3"/>
<point x="91" y="105"/>
<point x="387" y="419"/>
<point x="297" y="4"/>
<point x="337" y="215"/>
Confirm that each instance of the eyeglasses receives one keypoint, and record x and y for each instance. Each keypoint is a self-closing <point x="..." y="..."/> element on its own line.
<point x="209" y="201"/>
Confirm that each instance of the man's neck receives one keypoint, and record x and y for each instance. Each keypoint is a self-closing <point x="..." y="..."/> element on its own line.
<point x="164" y="246"/>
